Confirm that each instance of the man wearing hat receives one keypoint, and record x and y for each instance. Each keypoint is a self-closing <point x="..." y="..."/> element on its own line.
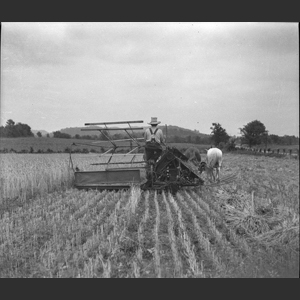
<point x="154" y="138"/>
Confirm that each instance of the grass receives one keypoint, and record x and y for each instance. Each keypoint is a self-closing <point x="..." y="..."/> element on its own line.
<point x="248" y="228"/>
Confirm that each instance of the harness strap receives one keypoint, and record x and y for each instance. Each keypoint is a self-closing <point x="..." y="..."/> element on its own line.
<point x="154" y="131"/>
<point x="153" y="134"/>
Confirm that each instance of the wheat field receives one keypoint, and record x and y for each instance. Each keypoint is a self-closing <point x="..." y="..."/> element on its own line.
<point x="248" y="228"/>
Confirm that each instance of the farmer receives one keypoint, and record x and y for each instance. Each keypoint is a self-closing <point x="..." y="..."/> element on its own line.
<point x="154" y="139"/>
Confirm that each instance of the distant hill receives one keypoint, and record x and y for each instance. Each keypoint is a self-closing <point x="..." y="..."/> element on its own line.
<point x="183" y="132"/>
<point x="77" y="130"/>
<point x="172" y="131"/>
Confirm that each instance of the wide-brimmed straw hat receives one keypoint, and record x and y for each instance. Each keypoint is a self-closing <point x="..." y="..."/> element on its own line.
<point x="154" y="121"/>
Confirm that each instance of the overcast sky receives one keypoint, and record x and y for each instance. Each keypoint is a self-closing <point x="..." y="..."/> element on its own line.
<point x="58" y="75"/>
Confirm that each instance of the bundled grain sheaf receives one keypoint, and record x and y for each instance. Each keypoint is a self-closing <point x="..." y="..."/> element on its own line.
<point x="286" y="235"/>
<point x="244" y="222"/>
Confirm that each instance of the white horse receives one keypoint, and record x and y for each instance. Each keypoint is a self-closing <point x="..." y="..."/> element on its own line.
<point x="213" y="161"/>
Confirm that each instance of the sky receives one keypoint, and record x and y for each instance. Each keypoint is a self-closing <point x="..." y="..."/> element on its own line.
<point x="59" y="75"/>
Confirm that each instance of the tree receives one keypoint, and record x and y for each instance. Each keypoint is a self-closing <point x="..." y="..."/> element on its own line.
<point x="2" y="131"/>
<point x="230" y="146"/>
<point x="58" y="134"/>
<point x="10" y="123"/>
<point x="10" y="128"/>
<point x="274" y="139"/>
<point x="219" y="134"/>
<point x="15" y="130"/>
<point x="22" y="130"/>
<point x="39" y="134"/>
<point x="253" y="133"/>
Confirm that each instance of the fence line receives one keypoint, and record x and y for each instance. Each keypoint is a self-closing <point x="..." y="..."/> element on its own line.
<point x="278" y="152"/>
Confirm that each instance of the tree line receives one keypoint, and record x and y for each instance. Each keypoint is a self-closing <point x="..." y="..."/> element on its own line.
<point x="253" y="133"/>
<point x="11" y="130"/>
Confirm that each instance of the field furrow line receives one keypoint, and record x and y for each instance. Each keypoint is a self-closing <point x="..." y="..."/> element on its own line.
<point x="202" y="231"/>
<point x="200" y="236"/>
<point x="119" y="243"/>
<point x="146" y="245"/>
<point x="218" y="235"/>
<point x="175" y="253"/>
<point x="138" y="258"/>
<point x="188" y="249"/>
<point x="155" y="232"/>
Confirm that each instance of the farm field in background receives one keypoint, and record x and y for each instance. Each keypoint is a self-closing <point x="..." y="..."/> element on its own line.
<point x="60" y="145"/>
<point x="55" y="144"/>
<point x="249" y="228"/>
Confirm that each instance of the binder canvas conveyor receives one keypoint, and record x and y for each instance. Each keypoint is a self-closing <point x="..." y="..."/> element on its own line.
<point x="116" y="171"/>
